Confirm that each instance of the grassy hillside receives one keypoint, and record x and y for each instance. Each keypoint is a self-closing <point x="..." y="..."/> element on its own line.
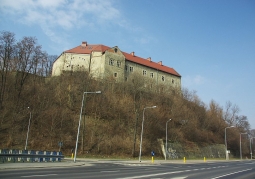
<point x="111" y="121"/>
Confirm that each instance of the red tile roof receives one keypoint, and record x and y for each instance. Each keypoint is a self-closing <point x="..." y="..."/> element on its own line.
<point x="151" y="64"/>
<point x="87" y="49"/>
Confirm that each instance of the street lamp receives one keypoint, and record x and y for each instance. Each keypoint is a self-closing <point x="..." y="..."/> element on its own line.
<point x="80" y="123"/>
<point x="251" y="146"/>
<point x="241" y="145"/>
<point x="28" y="128"/>
<point x="142" y="132"/>
<point x="166" y="137"/>
<point x="226" y="145"/>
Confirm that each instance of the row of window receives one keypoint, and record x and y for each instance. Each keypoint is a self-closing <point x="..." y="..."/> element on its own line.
<point x="112" y="63"/>
<point x="131" y="69"/>
<point x="151" y="75"/>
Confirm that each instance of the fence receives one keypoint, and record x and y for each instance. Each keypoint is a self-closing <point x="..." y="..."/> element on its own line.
<point x="12" y="155"/>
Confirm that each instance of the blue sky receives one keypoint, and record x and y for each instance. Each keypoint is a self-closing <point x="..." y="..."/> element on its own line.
<point x="211" y="43"/>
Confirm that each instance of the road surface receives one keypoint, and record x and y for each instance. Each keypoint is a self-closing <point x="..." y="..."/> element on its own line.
<point x="135" y="170"/>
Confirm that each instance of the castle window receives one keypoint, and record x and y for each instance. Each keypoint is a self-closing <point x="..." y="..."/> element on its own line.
<point x="126" y="67"/>
<point x="118" y="64"/>
<point x="144" y="72"/>
<point x="111" y="62"/>
<point x="115" y="75"/>
<point x="151" y="75"/>
<point x="115" y="50"/>
<point x="131" y="69"/>
<point x="172" y="81"/>
<point x="163" y="78"/>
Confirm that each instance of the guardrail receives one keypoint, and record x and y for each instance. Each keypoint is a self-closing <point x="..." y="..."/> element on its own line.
<point x="13" y="155"/>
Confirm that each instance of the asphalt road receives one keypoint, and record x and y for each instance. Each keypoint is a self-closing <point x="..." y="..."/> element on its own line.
<point x="134" y="170"/>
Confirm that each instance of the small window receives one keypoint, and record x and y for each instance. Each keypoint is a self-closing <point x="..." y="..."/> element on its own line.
<point x="144" y="72"/>
<point x="118" y="64"/>
<point x="172" y="81"/>
<point x="151" y="75"/>
<point x="131" y="69"/>
<point x="163" y="78"/>
<point x="111" y="62"/>
<point x="126" y="67"/>
<point x="115" y="75"/>
<point x="115" y="50"/>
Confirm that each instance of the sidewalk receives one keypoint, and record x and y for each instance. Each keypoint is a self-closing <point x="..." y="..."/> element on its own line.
<point x="68" y="162"/>
<point x="20" y="165"/>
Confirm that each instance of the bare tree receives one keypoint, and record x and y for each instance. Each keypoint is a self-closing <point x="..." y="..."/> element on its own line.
<point x="30" y="59"/>
<point x="7" y="49"/>
<point x="242" y="123"/>
<point x="231" y="113"/>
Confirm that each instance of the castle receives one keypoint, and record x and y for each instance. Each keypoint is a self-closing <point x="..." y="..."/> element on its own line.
<point x="110" y="62"/>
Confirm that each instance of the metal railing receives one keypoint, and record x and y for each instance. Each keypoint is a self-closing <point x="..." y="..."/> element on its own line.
<point x="13" y="155"/>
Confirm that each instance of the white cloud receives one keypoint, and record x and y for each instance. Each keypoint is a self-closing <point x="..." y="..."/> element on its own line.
<point x="58" y="15"/>
<point x="199" y="80"/>
<point x="189" y="81"/>
<point x="58" y="19"/>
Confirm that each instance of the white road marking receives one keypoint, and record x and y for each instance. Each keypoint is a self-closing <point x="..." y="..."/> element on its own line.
<point x="166" y="173"/>
<point x="232" y="173"/>
<point x="29" y="176"/>
<point x="156" y="174"/>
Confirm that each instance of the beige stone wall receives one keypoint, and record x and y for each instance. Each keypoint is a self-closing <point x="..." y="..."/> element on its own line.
<point x="114" y="64"/>
<point x="97" y="64"/>
<point x="70" y="62"/>
<point x="58" y="65"/>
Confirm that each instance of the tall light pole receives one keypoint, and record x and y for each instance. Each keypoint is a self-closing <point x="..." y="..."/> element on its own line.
<point x="241" y="145"/>
<point x="28" y="128"/>
<point x="226" y="145"/>
<point x="142" y="132"/>
<point x="78" y="132"/>
<point x="166" y="137"/>
<point x="251" y="146"/>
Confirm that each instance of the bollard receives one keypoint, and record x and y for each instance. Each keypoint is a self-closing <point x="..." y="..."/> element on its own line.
<point x="184" y="159"/>
<point x="152" y="159"/>
<point x="204" y="159"/>
<point x="72" y="155"/>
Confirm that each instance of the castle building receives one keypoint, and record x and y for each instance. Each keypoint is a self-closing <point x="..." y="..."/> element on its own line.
<point x="105" y="62"/>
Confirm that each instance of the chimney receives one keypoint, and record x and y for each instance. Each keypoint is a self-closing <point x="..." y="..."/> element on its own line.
<point x="132" y="53"/>
<point x="84" y="44"/>
<point x="160" y="62"/>
<point x="149" y="59"/>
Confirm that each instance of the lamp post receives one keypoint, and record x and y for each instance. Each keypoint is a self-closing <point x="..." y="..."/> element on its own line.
<point x="226" y="145"/>
<point x="28" y="128"/>
<point x="78" y="132"/>
<point x="241" y="145"/>
<point x="142" y="132"/>
<point x="166" y="137"/>
<point x="251" y="146"/>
